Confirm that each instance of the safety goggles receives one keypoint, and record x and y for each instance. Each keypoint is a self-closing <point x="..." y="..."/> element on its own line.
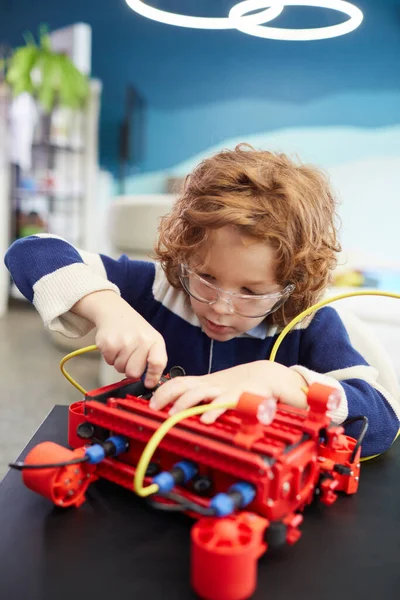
<point x="246" y="305"/>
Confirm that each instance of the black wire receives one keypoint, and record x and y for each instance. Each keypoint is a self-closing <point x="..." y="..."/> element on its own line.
<point x="76" y="461"/>
<point x="361" y="437"/>
<point x="181" y="504"/>
<point x="164" y="506"/>
<point x="193" y="506"/>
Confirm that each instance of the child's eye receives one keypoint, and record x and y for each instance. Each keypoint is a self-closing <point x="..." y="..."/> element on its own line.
<point x="206" y="276"/>
<point x="249" y="292"/>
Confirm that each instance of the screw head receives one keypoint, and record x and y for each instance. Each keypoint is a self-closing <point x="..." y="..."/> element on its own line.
<point x="202" y="484"/>
<point x="152" y="469"/>
<point x="85" y="430"/>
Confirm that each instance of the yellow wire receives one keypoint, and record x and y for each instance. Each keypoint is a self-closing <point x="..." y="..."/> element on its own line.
<point x="71" y="355"/>
<point x="278" y="342"/>
<point x="157" y="437"/>
<point x="311" y="309"/>
<point x="317" y="306"/>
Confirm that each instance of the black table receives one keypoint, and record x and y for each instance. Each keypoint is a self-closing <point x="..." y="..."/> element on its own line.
<point x="115" y="546"/>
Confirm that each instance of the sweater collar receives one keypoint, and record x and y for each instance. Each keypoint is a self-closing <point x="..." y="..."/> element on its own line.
<point x="260" y="331"/>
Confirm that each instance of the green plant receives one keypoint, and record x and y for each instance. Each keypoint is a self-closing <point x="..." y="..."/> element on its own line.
<point x="49" y="76"/>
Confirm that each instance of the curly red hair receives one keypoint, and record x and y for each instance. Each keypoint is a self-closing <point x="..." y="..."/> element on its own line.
<point x="267" y="197"/>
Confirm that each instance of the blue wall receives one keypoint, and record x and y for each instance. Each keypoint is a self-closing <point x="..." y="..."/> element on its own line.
<point x="203" y="87"/>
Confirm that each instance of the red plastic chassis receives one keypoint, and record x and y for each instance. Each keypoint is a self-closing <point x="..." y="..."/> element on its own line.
<point x="289" y="462"/>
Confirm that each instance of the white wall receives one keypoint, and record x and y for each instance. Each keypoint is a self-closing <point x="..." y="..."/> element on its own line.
<point x="370" y="210"/>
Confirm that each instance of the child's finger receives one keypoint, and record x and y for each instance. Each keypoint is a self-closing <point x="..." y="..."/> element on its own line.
<point x="212" y="415"/>
<point x="109" y="350"/>
<point x="195" y="396"/>
<point x="121" y="359"/>
<point x="156" y="362"/>
<point x="171" y="391"/>
<point x="136" y="364"/>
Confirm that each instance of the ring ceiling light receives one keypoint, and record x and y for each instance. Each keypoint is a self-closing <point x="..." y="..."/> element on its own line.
<point x="238" y="11"/>
<point x="156" y="14"/>
<point x="254" y="24"/>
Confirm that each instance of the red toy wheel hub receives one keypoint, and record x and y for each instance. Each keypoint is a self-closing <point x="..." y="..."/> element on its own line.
<point x="224" y="556"/>
<point x="65" y="486"/>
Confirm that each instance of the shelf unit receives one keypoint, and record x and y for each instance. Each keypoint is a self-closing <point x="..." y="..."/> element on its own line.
<point x="58" y="193"/>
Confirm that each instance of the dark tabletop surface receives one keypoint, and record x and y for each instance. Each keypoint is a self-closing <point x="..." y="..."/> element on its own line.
<point x="115" y="546"/>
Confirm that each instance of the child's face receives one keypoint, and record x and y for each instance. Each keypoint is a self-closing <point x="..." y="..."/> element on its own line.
<point x="234" y="263"/>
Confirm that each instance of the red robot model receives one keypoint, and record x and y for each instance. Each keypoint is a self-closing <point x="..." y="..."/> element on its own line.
<point x="245" y="479"/>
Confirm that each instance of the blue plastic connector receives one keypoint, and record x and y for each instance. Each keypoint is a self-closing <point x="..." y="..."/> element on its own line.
<point x="121" y="444"/>
<point x="238" y="496"/>
<point x="246" y="490"/>
<point x="188" y="468"/>
<point x="165" y="482"/>
<point x="95" y="453"/>
<point x="223" y="505"/>
<point x="180" y="473"/>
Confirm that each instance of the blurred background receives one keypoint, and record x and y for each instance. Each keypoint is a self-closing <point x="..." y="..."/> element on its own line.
<point x="103" y="111"/>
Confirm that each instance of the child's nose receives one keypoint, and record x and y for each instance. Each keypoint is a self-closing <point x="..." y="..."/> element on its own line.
<point x="222" y="307"/>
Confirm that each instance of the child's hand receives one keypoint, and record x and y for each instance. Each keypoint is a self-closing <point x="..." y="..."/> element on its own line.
<point x="125" y="338"/>
<point x="262" y="377"/>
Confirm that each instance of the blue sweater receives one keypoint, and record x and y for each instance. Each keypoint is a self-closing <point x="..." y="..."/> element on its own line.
<point x="54" y="275"/>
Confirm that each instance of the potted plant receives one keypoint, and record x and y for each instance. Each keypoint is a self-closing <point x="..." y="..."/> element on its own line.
<point x="50" y="77"/>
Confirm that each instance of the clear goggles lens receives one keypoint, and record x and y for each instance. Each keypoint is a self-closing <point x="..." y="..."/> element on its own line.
<point x="252" y="306"/>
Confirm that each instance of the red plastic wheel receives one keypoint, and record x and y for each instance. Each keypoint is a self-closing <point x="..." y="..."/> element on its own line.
<point x="65" y="486"/>
<point x="224" y="556"/>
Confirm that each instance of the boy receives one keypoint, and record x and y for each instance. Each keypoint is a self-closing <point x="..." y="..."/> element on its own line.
<point x="250" y="243"/>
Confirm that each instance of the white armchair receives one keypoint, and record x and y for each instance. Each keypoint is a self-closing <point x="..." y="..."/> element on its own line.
<point x="134" y="221"/>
